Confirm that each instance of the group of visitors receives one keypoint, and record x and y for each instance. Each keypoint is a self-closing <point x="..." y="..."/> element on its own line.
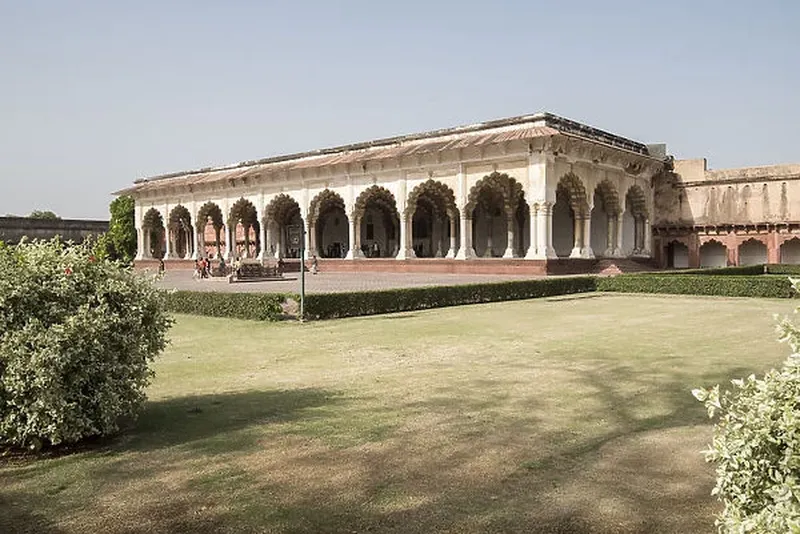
<point x="203" y="267"/>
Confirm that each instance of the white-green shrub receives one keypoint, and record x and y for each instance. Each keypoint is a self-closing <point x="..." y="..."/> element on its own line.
<point x="77" y="335"/>
<point x="756" y="446"/>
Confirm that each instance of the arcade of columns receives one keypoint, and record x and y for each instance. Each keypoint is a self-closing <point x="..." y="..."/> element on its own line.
<point x="537" y="199"/>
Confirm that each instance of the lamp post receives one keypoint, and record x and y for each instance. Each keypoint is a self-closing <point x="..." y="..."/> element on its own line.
<point x="297" y="237"/>
<point x="302" y="272"/>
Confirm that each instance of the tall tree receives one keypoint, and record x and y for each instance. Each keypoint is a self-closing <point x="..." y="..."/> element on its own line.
<point x="38" y="214"/>
<point x="122" y="229"/>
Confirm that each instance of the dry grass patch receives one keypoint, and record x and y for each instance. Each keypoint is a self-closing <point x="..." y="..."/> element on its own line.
<point x="566" y="416"/>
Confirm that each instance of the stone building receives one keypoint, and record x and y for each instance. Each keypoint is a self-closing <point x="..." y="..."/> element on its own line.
<point x="713" y="218"/>
<point x="534" y="194"/>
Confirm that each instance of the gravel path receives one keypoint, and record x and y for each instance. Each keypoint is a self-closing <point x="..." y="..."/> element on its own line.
<point x="332" y="282"/>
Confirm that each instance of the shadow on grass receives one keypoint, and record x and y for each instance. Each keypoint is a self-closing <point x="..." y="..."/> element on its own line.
<point x="213" y="422"/>
<point x="20" y="518"/>
<point x="453" y="472"/>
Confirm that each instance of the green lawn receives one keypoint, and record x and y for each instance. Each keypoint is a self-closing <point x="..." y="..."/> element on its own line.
<point x="564" y="415"/>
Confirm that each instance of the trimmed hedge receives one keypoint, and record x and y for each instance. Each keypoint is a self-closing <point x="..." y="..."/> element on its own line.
<point x="725" y="286"/>
<point x="333" y="305"/>
<point x="256" y="306"/>
<point x="783" y="268"/>
<point x="741" y="270"/>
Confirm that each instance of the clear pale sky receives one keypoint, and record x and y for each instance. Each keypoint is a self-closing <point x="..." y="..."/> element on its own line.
<point x="94" y="94"/>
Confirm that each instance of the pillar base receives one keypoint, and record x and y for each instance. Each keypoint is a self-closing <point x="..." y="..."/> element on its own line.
<point x="546" y="253"/>
<point x="354" y="254"/>
<point x="451" y="253"/>
<point x="405" y="254"/>
<point x="465" y="253"/>
<point x="575" y="253"/>
<point x="509" y="253"/>
<point x="587" y="253"/>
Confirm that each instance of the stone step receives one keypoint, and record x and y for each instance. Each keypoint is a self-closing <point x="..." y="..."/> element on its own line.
<point x="623" y="265"/>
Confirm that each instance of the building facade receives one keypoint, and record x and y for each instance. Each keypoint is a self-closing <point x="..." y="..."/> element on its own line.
<point x="715" y="218"/>
<point x="527" y="192"/>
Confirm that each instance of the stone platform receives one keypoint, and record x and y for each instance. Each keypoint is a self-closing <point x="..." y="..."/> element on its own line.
<point x="478" y="266"/>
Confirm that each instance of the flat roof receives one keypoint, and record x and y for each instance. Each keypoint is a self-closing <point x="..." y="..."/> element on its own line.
<point x="561" y="124"/>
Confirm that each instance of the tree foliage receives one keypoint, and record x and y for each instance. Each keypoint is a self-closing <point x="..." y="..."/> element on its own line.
<point x="46" y="214"/>
<point x="77" y="335"/>
<point x="756" y="446"/>
<point x="121" y="237"/>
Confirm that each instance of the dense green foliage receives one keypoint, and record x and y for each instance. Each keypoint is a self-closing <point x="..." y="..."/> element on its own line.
<point x="725" y="271"/>
<point x="121" y="236"/>
<point x="756" y="447"/>
<point x="77" y="334"/>
<point x="783" y="268"/>
<point x="725" y="286"/>
<point x="769" y="268"/>
<point x="332" y="305"/>
<point x="46" y="214"/>
<point x="256" y="306"/>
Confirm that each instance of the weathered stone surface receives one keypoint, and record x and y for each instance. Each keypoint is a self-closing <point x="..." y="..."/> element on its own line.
<point x="12" y="229"/>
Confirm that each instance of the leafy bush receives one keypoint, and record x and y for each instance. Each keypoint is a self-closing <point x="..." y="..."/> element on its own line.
<point x="256" y="306"/>
<point x="121" y="235"/>
<point x="727" y="286"/>
<point x="756" y="447"/>
<point x="77" y="333"/>
<point x="332" y="305"/>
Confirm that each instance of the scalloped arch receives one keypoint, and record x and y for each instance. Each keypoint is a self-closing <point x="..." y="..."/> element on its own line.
<point x="153" y="219"/>
<point x="573" y="186"/>
<point x="210" y="210"/>
<point x="637" y="201"/>
<point x="282" y="209"/>
<point x="180" y="217"/>
<point x="377" y="196"/>
<point x="608" y="192"/>
<point x="437" y="194"/>
<point x="498" y="187"/>
<point x="324" y="201"/>
<point x="243" y="211"/>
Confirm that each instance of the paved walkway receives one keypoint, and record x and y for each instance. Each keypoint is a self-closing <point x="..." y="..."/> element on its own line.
<point x="332" y="282"/>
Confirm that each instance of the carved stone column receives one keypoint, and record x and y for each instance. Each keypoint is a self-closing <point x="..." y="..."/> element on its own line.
<point x="586" y="246"/>
<point x="263" y="235"/>
<point x="230" y="235"/>
<point x="511" y="233"/>
<point x="531" y="253"/>
<point x="357" y="239"/>
<point x="618" y="249"/>
<point x="199" y="243"/>
<point x="405" y="252"/>
<point x="609" y="250"/>
<point x="577" y="241"/>
<point x="351" y="237"/>
<point x="312" y="240"/>
<point x="648" y="237"/>
<point x="140" y="244"/>
<point x="280" y="241"/>
<point x="466" y="252"/>
<point x="453" y="250"/>
<point x="167" y="243"/>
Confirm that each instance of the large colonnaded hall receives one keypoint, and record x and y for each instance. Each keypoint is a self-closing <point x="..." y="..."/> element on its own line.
<point x="531" y="194"/>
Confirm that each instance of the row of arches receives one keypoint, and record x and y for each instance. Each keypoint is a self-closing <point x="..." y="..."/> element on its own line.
<point x="714" y="253"/>
<point x="496" y="209"/>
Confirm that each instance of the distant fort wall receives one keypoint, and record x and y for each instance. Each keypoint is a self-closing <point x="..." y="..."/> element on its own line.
<point x="13" y="229"/>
